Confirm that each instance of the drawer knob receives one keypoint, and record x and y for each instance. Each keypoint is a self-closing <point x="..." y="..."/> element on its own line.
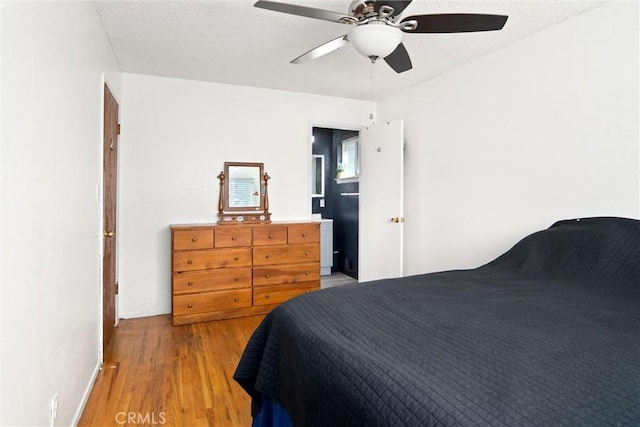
<point x="237" y="258"/>
<point x="306" y="252"/>
<point x="307" y="291"/>
<point x="267" y="256"/>
<point x="304" y="234"/>
<point x="189" y="283"/>
<point x="195" y="239"/>
<point x="271" y="236"/>
<point x="189" y="261"/>
<point x="236" y="299"/>
<point x="233" y="238"/>
<point x="236" y="279"/>
<point x="267" y="296"/>
<point x="190" y="305"/>
<point x="267" y="275"/>
<point x="306" y="272"/>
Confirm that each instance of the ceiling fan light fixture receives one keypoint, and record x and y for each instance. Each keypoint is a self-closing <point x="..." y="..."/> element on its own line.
<point x="373" y="39"/>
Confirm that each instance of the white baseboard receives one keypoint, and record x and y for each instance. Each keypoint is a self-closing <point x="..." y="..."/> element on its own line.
<point x="87" y="393"/>
<point x="134" y="315"/>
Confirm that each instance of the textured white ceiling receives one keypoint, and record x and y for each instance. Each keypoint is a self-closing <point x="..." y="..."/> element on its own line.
<point x="236" y="43"/>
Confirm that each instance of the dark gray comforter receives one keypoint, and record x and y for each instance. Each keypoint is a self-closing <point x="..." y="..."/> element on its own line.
<point x="546" y="334"/>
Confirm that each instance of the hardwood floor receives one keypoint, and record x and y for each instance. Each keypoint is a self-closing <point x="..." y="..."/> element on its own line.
<point x="158" y="374"/>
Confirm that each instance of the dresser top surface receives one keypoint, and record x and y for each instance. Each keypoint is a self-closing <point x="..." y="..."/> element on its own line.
<point x="236" y="225"/>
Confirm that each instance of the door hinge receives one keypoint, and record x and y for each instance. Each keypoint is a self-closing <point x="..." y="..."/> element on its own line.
<point x="118" y="130"/>
<point x="117" y="288"/>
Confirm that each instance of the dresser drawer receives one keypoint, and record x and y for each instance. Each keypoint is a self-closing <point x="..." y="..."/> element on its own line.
<point x="288" y="273"/>
<point x="211" y="301"/>
<point x="270" y="236"/>
<point x="211" y="280"/>
<point x="215" y="258"/>
<point x="192" y="239"/>
<point x="286" y="254"/>
<point x="233" y="236"/>
<point x="265" y="295"/>
<point x="304" y="233"/>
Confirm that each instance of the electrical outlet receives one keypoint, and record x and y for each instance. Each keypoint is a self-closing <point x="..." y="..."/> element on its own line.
<point x="322" y="203"/>
<point x="54" y="409"/>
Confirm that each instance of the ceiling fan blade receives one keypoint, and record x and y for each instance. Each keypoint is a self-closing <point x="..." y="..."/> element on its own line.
<point x="455" y="23"/>
<point x="322" y="50"/>
<point x="308" y="12"/>
<point x="398" y="5"/>
<point x="399" y="59"/>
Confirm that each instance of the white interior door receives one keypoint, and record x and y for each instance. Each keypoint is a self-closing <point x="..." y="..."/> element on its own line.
<point x="380" y="202"/>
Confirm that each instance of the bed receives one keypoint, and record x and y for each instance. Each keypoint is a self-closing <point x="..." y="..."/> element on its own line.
<point x="546" y="334"/>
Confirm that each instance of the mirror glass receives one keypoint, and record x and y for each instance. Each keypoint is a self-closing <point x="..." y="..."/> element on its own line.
<point x="317" y="174"/>
<point x="244" y="187"/>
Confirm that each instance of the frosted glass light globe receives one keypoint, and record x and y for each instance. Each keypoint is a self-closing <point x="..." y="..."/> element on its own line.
<point x="375" y="39"/>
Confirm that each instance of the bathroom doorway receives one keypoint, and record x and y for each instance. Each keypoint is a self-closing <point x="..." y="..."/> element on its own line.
<point x="336" y="197"/>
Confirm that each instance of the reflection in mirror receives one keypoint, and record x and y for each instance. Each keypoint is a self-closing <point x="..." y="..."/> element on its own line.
<point x="317" y="174"/>
<point x="244" y="187"/>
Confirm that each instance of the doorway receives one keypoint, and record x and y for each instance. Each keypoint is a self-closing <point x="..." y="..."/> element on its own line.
<point x="339" y="197"/>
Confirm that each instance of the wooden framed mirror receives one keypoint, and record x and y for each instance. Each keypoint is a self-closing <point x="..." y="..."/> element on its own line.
<point x="243" y="194"/>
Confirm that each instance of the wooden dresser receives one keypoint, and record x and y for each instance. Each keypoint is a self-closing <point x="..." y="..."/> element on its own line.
<point x="220" y="272"/>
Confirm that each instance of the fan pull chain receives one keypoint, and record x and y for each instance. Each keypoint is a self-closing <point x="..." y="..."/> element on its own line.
<point x="373" y="88"/>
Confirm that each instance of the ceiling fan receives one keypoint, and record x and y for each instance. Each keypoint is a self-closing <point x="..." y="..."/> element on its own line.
<point x="378" y="27"/>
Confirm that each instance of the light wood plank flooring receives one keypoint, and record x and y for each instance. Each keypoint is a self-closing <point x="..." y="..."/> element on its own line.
<point x="157" y="374"/>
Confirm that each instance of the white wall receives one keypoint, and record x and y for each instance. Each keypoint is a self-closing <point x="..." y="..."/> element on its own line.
<point x="541" y="130"/>
<point x="176" y="136"/>
<point x="53" y="58"/>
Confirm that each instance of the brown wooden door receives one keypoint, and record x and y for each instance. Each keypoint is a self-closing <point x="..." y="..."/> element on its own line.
<point x="110" y="177"/>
